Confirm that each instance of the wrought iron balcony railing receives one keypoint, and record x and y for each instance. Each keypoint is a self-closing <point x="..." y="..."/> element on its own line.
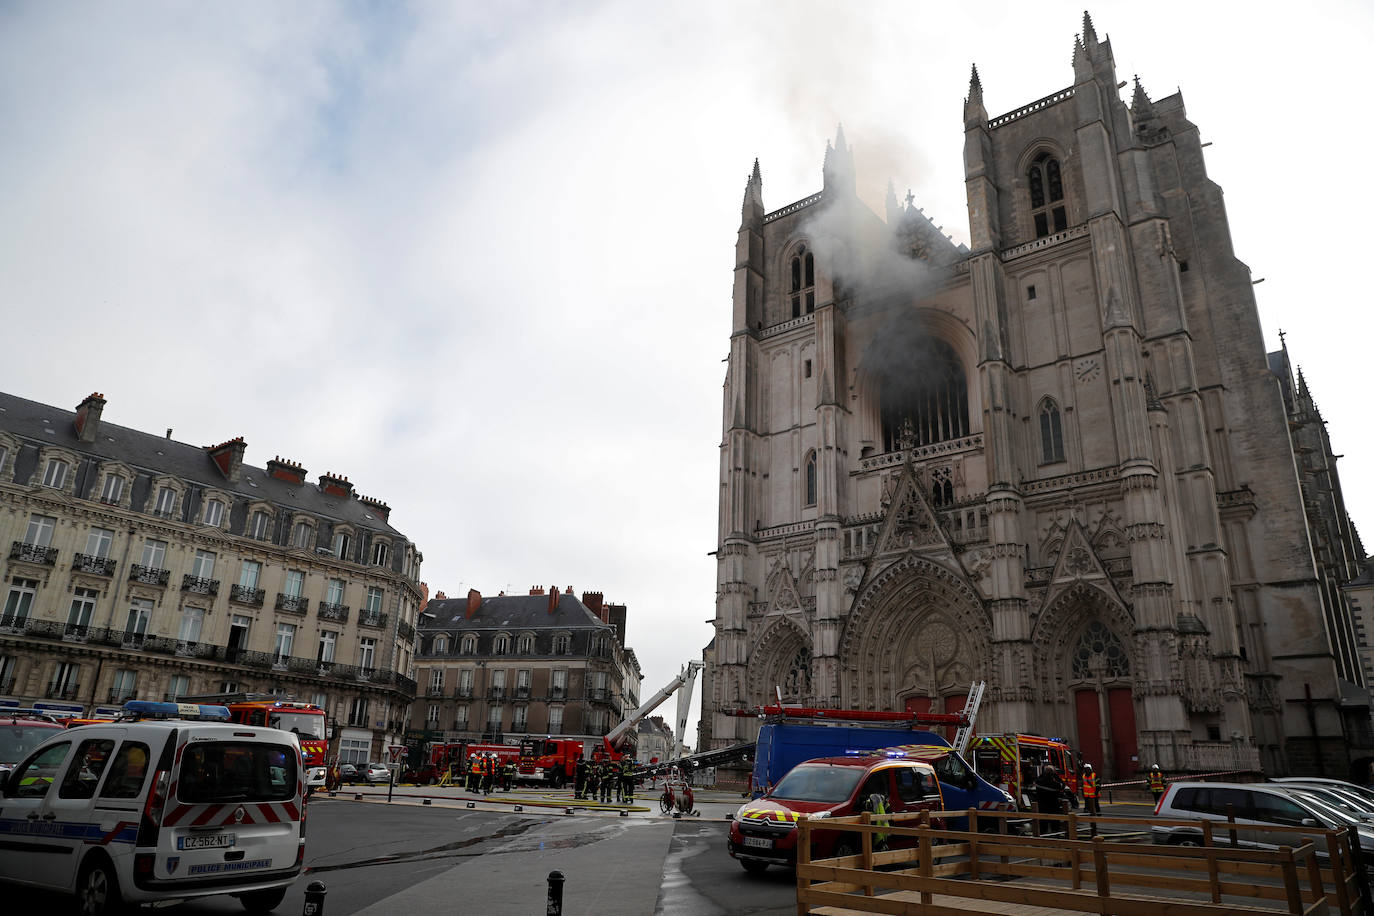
<point x="405" y="631"/>
<point x="463" y="693"/>
<point x="14" y="622"/>
<point x="292" y="604"/>
<point x="33" y="553"/>
<point x="497" y="693"/>
<point x="242" y="594"/>
<point x="62" y="691"/>
<point x="435" y="691"/>
<point x="75" y="632"/>
<point x="200" y="585"/>
<point x="522" y="693"/>
<point x="119" y="695"/>
<point x="96" y="566"/>
<point x="148" y="575"/>
<point x="371" y="619"/>
<point x="327" y="611"/>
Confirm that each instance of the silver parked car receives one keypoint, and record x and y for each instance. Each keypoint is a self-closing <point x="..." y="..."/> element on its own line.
<point x="1255" y="806"/>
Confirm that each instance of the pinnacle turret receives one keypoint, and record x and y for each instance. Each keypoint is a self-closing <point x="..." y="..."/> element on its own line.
<point x="1141" y="106"/>
<point x="838" y="169"/>
<point x="752" y="209"/>
<point x="975" y="86"/>
<point x="1089" y="33"/>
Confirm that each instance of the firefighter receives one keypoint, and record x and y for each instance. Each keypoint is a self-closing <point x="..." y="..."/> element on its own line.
<point x="508" y="775"/>
<point x="1049" y="796"/>
<point x="1091" y="804"/>
<point x="627" y="780"/>
<point x="488" y="772"/>
<point x="475" y="773"/>
<point x="580" y="778"/>
<point x="1156" y="782"/>
<point x="593" y="788"/>
<point x="877" y="804"/>
<point x="608" y="780"/>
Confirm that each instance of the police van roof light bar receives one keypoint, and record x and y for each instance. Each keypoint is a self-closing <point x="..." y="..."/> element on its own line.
<point x="149" y="709"/>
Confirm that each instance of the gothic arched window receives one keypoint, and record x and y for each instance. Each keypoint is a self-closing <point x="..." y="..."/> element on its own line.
<point x="796" y="680"/>
<point x="1100" y="654"/>
<point x="1047" y="196"/>
<point x="810" y="475"/>
<point x="1051" y="433"/>
<point x="803" y="286"/>
<point x="925" y="400"/>
<point x="942" y="486"/>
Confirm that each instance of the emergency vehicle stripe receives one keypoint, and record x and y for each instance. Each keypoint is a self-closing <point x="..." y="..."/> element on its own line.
<point x="105" y="840"/>
<point x="176" y="814"/>
<point x="267" y="812"/>
<point x="292" y="812"/>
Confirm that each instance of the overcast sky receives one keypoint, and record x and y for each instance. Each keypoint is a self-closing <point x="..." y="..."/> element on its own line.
<point x="477" y="257"/>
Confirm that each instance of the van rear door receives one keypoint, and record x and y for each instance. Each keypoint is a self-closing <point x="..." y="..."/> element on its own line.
<point x="234" y="807"/>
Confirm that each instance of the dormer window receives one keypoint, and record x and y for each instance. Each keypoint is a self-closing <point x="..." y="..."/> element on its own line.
<point x="166" y="502"/>
<point x="302" y="535"/>
<point x="525" y="645"/>
<point x="380" y="553"/>
<point x="55" y="474"/>
<point x="214" y="512"/>
<point x="1047" y="196"/>
<point x="469" y="646"/>
<point x="343" y="544"/>
<point x="501" y="646"/>
<point x="440" y="644"/>
<point x="802" y="288"/>
<point x="112" y="490"/>
<point x="257" y="525"/>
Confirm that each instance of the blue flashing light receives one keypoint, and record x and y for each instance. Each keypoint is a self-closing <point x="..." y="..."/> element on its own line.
<point x="149" y="709"/>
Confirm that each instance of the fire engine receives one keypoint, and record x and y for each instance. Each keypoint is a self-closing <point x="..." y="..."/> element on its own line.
<point x="305" y="719"/>
<point x="1014" y="760"/>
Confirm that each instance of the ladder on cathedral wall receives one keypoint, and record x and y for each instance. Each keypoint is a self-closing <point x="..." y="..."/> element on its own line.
<point x="965" y="732"/>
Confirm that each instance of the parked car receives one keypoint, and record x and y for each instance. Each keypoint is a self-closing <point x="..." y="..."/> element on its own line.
<point x="1255" y="806"/>
<point x="1349" y="788"/>
<point x="376" y="772"/>
<point x="348" y="773"/>
<point x="1334" y="796"/>
<point x="763" y="832"/>
<point x="21" y="730"/>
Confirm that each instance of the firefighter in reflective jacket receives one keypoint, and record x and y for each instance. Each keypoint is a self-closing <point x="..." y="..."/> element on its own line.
<point x="1091" y="805"/>
<point x="508" y="775"/>
<point x="878" y="806"/>
<point x="1156" y="783"/>
<point x="627" y="782"/>
<point x="475" y="773"/>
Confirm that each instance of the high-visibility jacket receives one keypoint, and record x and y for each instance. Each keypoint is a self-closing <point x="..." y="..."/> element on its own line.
<point x="1156" y="781"/>
<point x="880" y="812"/>
<point x="1090" y="785"/>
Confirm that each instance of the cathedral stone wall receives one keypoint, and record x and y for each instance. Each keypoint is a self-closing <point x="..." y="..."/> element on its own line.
<point x="1057" y="460"/>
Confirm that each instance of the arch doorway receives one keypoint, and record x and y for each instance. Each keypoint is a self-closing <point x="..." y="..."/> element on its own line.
<point x="1104" y="705"/>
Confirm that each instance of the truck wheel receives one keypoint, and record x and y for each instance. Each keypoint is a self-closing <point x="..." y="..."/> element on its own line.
<point x="754" y="866"/>
<point x="97" y="889"/>
<point x="557" y="779"/>
<point x="262" y="901"/>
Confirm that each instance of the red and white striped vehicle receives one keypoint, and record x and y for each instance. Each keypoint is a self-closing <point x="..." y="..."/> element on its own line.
<point x="157" y="806"/>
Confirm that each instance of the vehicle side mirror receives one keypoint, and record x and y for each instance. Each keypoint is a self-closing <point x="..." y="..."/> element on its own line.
<point x="1310" y="822"/>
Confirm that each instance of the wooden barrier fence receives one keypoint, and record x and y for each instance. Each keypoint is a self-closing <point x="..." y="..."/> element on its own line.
<point x="1319" y="873"/>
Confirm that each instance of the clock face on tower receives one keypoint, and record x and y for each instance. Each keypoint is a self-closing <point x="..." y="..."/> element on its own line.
<point x="1085" y="370"/>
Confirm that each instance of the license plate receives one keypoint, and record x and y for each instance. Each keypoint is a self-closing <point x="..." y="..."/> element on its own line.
<point x="758" y="842"/>
<point x="205" y="841"/>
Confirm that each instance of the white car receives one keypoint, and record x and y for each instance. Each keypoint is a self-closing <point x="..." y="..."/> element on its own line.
<point x="376" y="772"/>
<point x="156" y="807"/>
<point x="316" y="778"/>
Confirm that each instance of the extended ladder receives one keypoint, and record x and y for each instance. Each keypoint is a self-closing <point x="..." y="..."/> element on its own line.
<point x="975" y="699"/>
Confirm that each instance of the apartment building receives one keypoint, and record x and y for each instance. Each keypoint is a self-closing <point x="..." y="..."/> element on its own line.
<point x="142" y="567"/>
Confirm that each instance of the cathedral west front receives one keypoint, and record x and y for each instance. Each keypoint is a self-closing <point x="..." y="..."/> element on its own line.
<point x="1058" y="460"/>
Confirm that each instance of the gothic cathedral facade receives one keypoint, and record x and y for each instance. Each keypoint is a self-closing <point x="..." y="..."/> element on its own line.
<point x="1056" y="460"/>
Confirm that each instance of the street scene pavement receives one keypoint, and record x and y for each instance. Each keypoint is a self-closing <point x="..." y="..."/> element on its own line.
<point x="405" y="857"/>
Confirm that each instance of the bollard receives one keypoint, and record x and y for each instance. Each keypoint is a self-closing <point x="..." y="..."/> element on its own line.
<point x="554" y="907"/>
<point x="314" y="899"/>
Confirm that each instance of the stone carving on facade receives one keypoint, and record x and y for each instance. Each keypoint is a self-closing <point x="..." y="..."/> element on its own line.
<point x="853" y="578"/>
<point x="977" y="564"/>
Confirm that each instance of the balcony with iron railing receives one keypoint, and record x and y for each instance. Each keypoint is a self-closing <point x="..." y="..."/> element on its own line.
<point x="243" y="594"/>
<point x="405" y="631"/>
<point x="33" y="553"/>
<point x="496" y="693"/>
<point x="435" y="690"/>
<point x="7" y="684"/>
<point x="75" y="632"/>
<point x="368" y="618"/>
<point x="199" y="585"/>
<point x="558" y="693"/>
<point x="62" y="691"/>
<point x="463" y="693"/>
<point x="96" y="566"/>
<point x="292" y="604"/>
<point x="598" y="693"/>
<point x="118" y="696"/>
<point x="331" y="610"/>
<point x="522" y="693"/>
<point x="148" y="575"/>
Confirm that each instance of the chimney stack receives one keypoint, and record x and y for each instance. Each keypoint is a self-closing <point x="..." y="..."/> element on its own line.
<point x="87" y="421"/>
<point x="553" y="598"/>
<point x="536" y="589"/>
<point x="594" y="601"/>
<point x="335" y="486"/>
<point x="474" y="602"/>
<point x="379" y="508"/>
<point x="228" y="457"/>
<point x="285" y="469"/>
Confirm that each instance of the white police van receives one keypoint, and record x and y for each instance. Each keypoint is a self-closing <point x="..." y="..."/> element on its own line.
<point x="157" y="806"/>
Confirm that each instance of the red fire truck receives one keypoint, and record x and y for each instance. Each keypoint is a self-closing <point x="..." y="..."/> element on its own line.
<point x="1014" y="761"/>
<point x="305" y="719"/>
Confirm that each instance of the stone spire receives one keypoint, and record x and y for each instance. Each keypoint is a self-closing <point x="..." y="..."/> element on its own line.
<point x="1082" y="66"/>
<point x="838" y="169"/>
<point x="1089" y="33"/>
<point x="1141" y="106"/>
<point x="894" y="209"/>
<point x="975" y="87"/>
<point x="753" y="198"/>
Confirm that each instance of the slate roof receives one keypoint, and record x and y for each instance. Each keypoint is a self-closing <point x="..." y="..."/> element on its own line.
<point x="513" y="612"/>
<point x="43" y="423"/>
